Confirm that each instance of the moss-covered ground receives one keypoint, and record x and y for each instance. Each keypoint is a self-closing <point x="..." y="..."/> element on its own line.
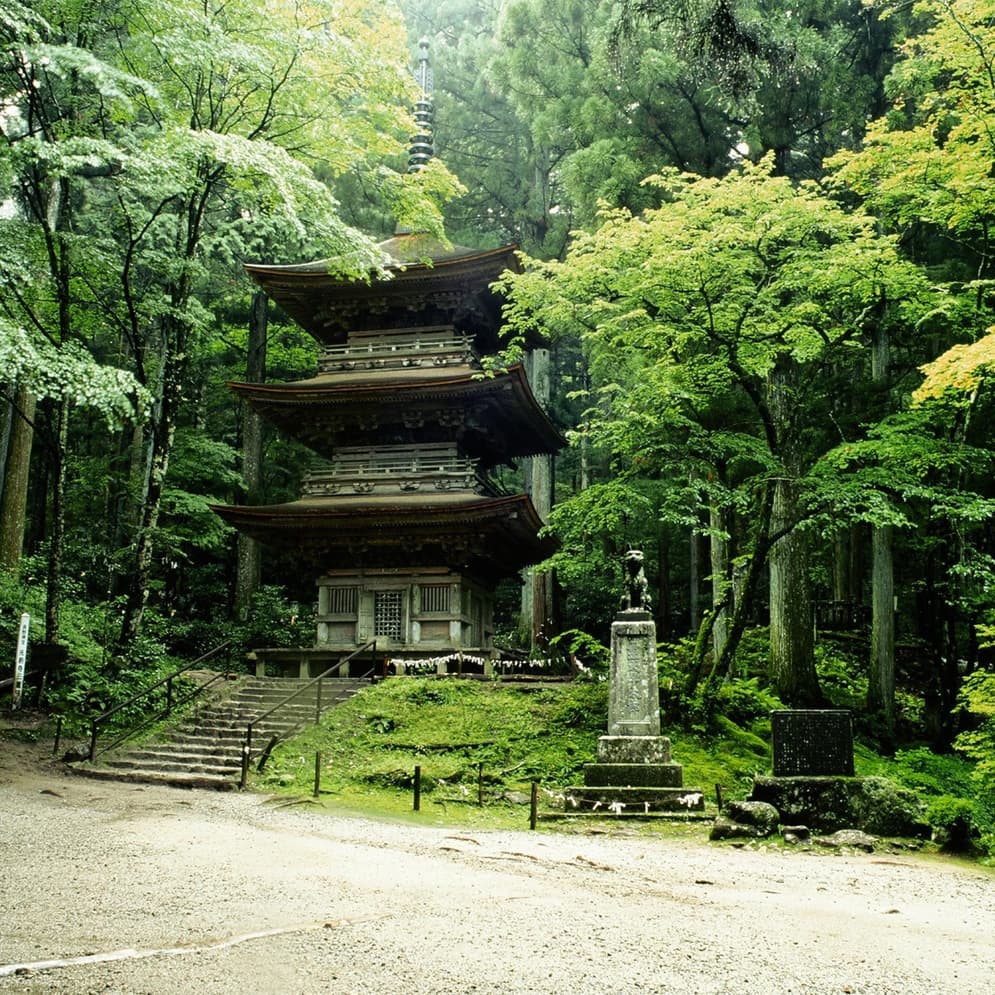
<point x="474" y="739"/>
<point x="477" y="739"/>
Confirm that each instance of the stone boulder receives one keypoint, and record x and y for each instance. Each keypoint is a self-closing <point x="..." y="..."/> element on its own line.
<point x="852" y="839"/>
<point x="872" y="804"/>
<point x="748" y="819"/>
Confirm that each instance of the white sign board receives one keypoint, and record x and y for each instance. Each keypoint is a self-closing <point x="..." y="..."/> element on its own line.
<point x="21" y="660"/>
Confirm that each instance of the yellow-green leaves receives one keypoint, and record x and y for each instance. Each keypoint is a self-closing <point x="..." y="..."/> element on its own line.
<point x="961" y="369"/>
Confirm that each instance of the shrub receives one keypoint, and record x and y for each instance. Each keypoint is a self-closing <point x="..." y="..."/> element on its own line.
<point x="955" y="823"/>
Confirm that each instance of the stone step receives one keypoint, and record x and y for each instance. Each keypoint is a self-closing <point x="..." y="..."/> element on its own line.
<point x="178" y="753"/>
<point x="170" y="779"/>
<point x="129" y="763"/>
<point x="205" y="751"/>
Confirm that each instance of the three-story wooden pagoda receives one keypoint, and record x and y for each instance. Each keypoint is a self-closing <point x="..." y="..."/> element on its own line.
<point x="399" y="520"/>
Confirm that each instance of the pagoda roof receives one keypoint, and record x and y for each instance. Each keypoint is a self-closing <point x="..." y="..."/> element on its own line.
<point x="492" y="537"/>
<point x="493" y="418"/>
<point x="424" y="275"/>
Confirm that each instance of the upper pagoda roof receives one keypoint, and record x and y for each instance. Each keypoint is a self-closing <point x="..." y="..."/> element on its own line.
<point x="445" y="284"/>
<point x="494" y="418"/>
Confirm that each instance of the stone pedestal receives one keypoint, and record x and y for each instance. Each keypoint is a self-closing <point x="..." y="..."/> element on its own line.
<point x="633" y="686"/>
<point x="634" y="774"/>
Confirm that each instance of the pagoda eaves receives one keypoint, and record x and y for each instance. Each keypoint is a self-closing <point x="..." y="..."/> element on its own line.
<point x="444" y="286"/>
<point x="494" y="418"/>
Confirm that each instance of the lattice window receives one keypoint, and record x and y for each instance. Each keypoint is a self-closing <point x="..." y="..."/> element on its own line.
<point x="387" y="620"/>
<point x="343" y="600"/>
<point x="435" y="597"/>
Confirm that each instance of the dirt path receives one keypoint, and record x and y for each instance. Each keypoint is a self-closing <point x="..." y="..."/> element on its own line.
<point x="229" y="894"/>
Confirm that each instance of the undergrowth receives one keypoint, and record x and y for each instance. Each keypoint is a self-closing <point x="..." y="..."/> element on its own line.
<point x="464" y="734"/>
<point x="469" y="737"/>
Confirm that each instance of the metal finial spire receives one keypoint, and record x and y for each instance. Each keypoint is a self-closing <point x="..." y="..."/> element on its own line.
<point x="421" y="149"/>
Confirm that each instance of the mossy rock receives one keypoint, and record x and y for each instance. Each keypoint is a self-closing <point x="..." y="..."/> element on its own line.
<point x="873" y="804"/>
<point x="883" y="808"/>
<point x="821" y="803"/>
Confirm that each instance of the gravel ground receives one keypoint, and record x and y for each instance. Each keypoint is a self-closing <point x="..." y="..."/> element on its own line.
<point x="216" y="894"/>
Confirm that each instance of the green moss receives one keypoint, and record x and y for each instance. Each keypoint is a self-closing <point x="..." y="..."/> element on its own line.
<point x="459" y="731"/>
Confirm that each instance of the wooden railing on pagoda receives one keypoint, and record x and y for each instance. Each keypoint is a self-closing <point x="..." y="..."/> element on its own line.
<point x="392" y="349"/>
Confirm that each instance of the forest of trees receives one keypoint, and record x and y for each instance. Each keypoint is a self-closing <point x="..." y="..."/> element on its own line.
<point x="758" y="237"/>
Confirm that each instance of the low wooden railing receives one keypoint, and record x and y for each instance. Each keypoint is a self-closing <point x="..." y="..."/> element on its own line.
<point x="370" y="647"/>
<point x="148" y="720"/>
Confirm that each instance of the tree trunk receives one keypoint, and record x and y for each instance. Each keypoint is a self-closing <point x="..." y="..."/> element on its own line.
<point x="248" y="567"/>
<point x="881" y="684"/>
<point x="881" y="678"/>
<point x="538" y="609"/>
<point x="163" y="429"/>
<point x="57" y="522"/>
<point x="792" y="661"/>
<point x="719" y="553"/>
<point x="14" y="501"/>
<point x="663" y="605"/>
<point x="841" y="565"/>
<point x="694" y="580"/>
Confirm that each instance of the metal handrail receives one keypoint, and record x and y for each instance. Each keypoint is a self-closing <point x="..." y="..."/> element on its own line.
<point x="168" y="681"/>
<point x="247" y="742"/>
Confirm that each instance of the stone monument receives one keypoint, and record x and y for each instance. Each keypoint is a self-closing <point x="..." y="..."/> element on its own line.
<point x="634" y="773"/>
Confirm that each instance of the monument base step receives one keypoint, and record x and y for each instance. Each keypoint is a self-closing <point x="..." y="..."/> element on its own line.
<point x="634" y="750"/>
<point x="626" y="814"/>
<point x="634" y="800"/>
<point x="656" y="775"/>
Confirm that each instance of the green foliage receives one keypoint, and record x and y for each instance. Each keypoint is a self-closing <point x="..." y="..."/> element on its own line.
<point x="955" y="823"/>
<point x="92" y="679"/>
<point x="706" y="321"/>
<point x="745" y="702"/>
<point x="192" y="627"/>
<point x="594" y="528"/>
<point x="842" y="675"/>
<point x="977" y="696"/>
<point x="590" y="656"/>
<point x="70" y="372"/>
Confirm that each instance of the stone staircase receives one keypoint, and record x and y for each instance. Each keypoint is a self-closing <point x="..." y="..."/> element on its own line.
<point x="205" y="749"/>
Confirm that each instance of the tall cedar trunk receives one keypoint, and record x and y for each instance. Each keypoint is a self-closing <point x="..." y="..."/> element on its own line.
<point x="14" y="501"/>
<point x="663" y="605"/>
<point x="57" y="521"/>
<point x="881" y="683"/>
<point x="126" y="488"/>
<point x="248" y="566"/>
<point x="848" y="564"/>
<point x="538" y="609"/>
<point x="9" y="414"/>
<point x="792" y="661"/>
<point x="694" y="571"/>
<point x="719" y="553"/>
<point x="841" y="565"/>
<point x="881" y="678"/>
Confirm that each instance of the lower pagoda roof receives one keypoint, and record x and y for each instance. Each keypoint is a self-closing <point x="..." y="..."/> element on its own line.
<point x="492" y="537"/>
<point x="493" y="418"/>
